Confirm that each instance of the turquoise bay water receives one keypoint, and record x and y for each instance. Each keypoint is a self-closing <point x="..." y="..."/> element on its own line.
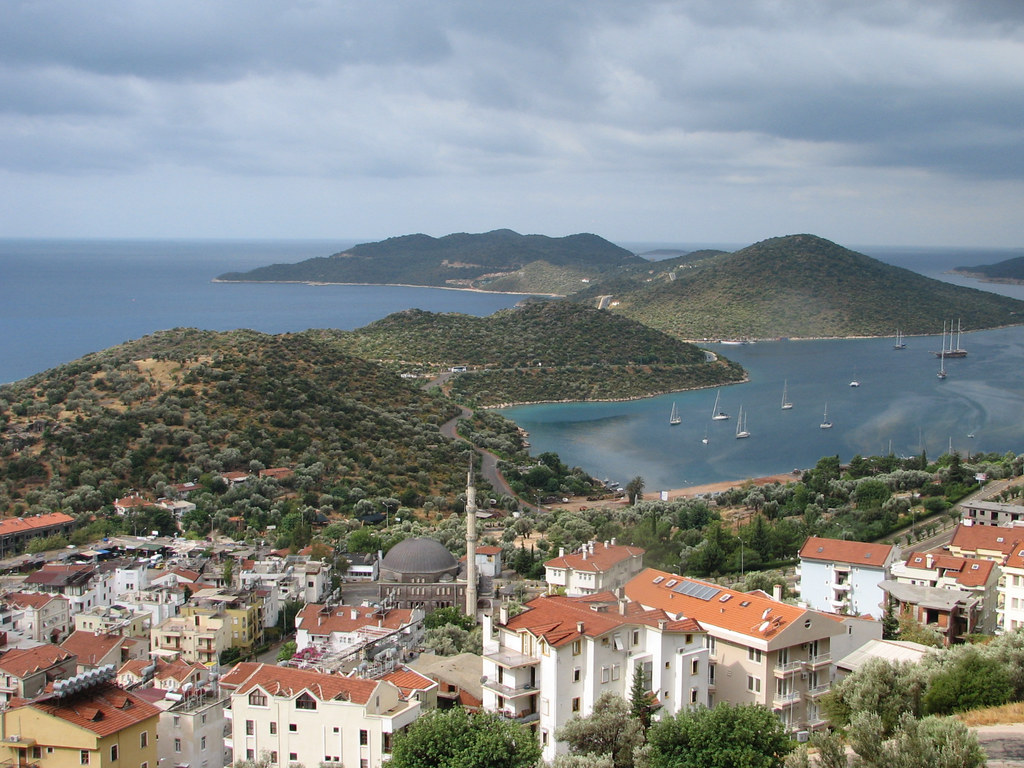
<point x="63" y="299"/>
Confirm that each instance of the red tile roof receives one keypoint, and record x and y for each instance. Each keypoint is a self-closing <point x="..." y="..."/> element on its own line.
<point x="104" y="710"/>
<point x="603" y="557"/>
<point x="20" y="662"/>
<point x="61" y="575"/>
<point x="409" y="681"/>
<point x="91" y="647"/>
<point x="973" y="538"/>
<point x="748" y="614"/>
<point x="843" y="551"/>
<point x="31" y="599"/>
<point x="20" y="524"/>
<point x="969" y="571"/>
<point x="179" y="670"/>
<point x="349" y="618"/>
<point x="558" y="619"/>
<point x="284" y="681"/>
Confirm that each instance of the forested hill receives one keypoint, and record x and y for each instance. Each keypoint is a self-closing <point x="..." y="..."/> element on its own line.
<point x="1008" y="271"/>
<point x="552" y="350"/>
<point x="804" y="286"/>
<point x="461" y="261"/>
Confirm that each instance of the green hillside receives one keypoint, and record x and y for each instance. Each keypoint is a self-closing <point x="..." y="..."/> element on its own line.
<point x="460" y="260"/>
<point x="1008" y="271"/>
<point x="804" y="286"/>
<point x="553" y="350"/>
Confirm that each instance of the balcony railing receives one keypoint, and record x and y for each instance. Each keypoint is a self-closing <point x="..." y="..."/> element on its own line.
<point x="520" y="717"/>
<point x="821" y="658"/>
<point x="785" y="699"/>
<point x="818" y="690"/>
<point x="511" y="659"/>
<point x="510" y="692"/>
<point x="788" y="667"/>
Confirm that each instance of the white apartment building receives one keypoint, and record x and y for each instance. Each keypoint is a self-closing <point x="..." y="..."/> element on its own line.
<point x="345" y="628"/>
<point x="554" y="660"/>
<point x="761" y="650"/>
<point x="840" y="576"/>
<point x="313" y="718"/>
<point x="31" y="618"/>
<point x="191" y="730"/>
<point x="1011" y="591"/>
<point x="597" y="567"/>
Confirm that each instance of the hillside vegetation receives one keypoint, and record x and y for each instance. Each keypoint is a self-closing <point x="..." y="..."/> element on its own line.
<point x="498" y="260"/>
<point x="543" y="351"/>
<point x="1008" y="271"/>
<point x="801" y="286"/>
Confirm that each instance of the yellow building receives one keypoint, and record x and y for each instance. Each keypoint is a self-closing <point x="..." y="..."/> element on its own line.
<point x="100" y="726"/>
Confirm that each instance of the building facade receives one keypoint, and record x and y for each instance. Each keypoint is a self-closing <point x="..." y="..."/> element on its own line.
<point x="597" y="567"/>
<point x="840" y="576"/>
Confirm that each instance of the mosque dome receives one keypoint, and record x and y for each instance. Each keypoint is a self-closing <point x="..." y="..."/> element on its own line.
<point x="419" y="559"/>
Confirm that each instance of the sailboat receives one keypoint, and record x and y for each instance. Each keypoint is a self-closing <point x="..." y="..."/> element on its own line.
<point x="705" y="438"/>
<point x="825" y="423"/>
<point x="717" y="415"/>
<point x="786" y="405"/>
<point x="675" y="418"/>
<point x="899" y="341"/>
<point x="741" y="425"/>
<point x="959" y="351"/>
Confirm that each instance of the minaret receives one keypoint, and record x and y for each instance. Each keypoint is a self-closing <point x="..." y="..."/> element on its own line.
<point x="471" y="542"/>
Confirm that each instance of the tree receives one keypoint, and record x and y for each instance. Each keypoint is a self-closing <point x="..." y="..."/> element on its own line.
<point x="887" y="689"/>
<point x="929" y="743"/>
<point x="723" y="737"/>
<point x="228" y="571"/>
<point x="451" y="639"/>
<point x="287" y="651"/>
<point x="609" y="730"/>
<point x="971" y="681"/>
<point x="454" y="738"/>
<point x="635" y="489"/>
<point x="583" y="761"/>
<point x="440" y="617"/>
<point x="641" y="700"/>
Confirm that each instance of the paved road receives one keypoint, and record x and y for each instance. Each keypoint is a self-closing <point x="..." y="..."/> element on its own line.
<point x="1004" y="745"/>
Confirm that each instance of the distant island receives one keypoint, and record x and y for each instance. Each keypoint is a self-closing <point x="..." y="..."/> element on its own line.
<point x="1008" y="271"/>
<point x="501" y="260"/>
<point x="797" y="286"/>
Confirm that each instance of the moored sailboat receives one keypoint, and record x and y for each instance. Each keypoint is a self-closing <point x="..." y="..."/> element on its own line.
<point x="717" y="415"/>
<point x="741" y="425"/>
<point x="825" y="423"/>
<point x="899" y="341"/>
<point x="786" y="405"/>
<point x="674" y="418"/>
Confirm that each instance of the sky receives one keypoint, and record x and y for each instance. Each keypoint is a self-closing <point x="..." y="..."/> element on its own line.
<point x="888" y="122"/>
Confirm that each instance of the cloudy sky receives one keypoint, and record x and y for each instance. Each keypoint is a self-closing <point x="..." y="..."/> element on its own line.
<point x="896" y="122"/>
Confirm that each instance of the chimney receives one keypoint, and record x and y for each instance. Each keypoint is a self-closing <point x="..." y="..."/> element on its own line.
<point x="355" y="614"/>
<point x="662" y="623"/>
<point x="613" y="541"/>
<point x="579" y="627"/>
<point x="777" y="592"/>
<point x="928" y="560"/>
<point x="503" y="614"/>
<point x="584" y="553"/>
<point x="606" y="543"/>
<point x="561" y="551"/>
<point x="622" y="607"/>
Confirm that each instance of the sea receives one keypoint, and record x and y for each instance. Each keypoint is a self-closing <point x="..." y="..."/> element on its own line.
<point x="63" y="299"/>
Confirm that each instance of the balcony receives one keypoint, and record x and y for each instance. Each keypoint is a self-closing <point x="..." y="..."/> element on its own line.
<point x="818" y="691"/>
<point x="520" y="717"/>
<point x="785" y="699"/>
<point x="788" y="668"/>
<point x="510" y="692"/>
<point x="843" y="587"/>
<point x="511" y="659"/>
<point x="820" y="659"/>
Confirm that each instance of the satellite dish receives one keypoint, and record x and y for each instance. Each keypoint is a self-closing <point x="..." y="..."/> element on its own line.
<point x="764" y="627"/>
<point x="483" y="679"/>
<point x="765" y="614"/>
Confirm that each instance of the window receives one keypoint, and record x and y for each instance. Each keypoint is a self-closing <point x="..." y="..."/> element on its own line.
<point x="144" y="739"/>
<point x="177" y="721"/>
<point x="293" y="728"/>
<point x="385" y="742"/>
<point x="576" y="673"/>
<point x="337" y="729"/>
<point x="293" y="756"/>
<point x="250" y="727"/>
<point x="619" y="645"/>
<point x="693" y="695"/>
<point x="250" y="754"/>
<point x="606" y="674"/>
<point x="364" y="763"/>
<point x="753" y="684"/>
<point x="576" y="704"/>
<point x="636" y="637"/>
<point x="364" y="737"/>
<point x="273" y="727"/>
<point x="83" y="757"/>
<point x="305" y="701"/>
<point x="273" y="756"/>
<point x="577" y="647"/>
<point x="615" y="671"/>
<point x="37" y="753"/>
<point x="694" y="666"/>
<point x="202" y="744"/>
<point x="754" y="654"/>
<point x="177" y="745"/>
<point x="202" y="718"/>
<point x="113" y="752"/>
<point x="258" y="699"/>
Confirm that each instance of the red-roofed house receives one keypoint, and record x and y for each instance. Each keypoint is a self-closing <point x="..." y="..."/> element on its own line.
<point x="841" y="576"/>
<point x="347" y="628"/>
<point x="985" y="542"/>
<point x="39" y="617"/>
<point x="95" y="649"/>
<point x="762" y="651"/>
<point x="488" y="561"/>
<point x="978" y="578"/>
<point x="100" y="727"/>
<point x="15" y="532"/>
<point x="597" y="567"/>
<point x="301" y="716"/>
<point x="24" y="673"/>
<point x="414" y="686"/>
<point x="552" y="661"/>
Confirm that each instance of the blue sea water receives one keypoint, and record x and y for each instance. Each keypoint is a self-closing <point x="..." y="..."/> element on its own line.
<point x="63" y="299"/>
